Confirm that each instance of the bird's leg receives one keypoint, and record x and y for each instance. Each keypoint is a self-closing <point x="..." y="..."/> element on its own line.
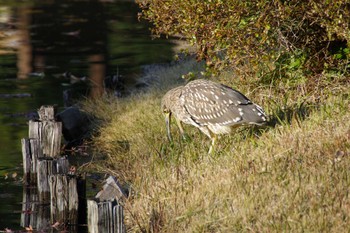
<point x="167" y="121"/>
<point x="178" y="122"/>
<point x="211" y="135"/>
<point x="182" y="131"/>
<point x="213" y="141"/>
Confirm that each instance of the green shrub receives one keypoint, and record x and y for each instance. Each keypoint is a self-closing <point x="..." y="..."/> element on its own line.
<point x="235" y="33"/>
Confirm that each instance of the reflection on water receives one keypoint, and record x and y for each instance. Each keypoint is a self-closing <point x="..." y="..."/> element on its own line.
<point x="40" y="41"/>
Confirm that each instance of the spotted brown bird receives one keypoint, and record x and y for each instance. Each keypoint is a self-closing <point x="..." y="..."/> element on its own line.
<point x="211" y="107"/>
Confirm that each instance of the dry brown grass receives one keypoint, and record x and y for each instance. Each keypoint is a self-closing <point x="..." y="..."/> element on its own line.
<point x="292" y="175"/>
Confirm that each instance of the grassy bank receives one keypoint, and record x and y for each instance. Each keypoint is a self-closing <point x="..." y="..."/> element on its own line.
<point x="290" y="175"/>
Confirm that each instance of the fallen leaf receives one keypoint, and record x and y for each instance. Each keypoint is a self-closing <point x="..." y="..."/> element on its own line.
<point x="72" y="170"/>
<point x="56" y="224"/>
<point x="30" y="228"/>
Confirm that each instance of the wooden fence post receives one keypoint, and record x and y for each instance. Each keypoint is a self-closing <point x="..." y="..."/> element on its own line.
<point x="65" y="198"/>
<point x="46" y="168"/>
<point x="47" y="130"/>
<point x="105" y="212"/>
<point x="31" y="152"/>
<point x="93" y="219"/>
<point x="118" y="213"/>
<point x="57" y="185"/>
<point x="33" y="212"/>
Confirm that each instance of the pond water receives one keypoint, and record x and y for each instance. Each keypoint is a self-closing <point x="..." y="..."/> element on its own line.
<point x="48" y="48"/>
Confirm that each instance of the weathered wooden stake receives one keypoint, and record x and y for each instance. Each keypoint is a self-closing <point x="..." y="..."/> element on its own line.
<point x="105" y="214"/>
<point x="59" y="198"/>
<point x="48" y="131"/>
<point x="118" y="213"/>
<point x="111" y="190"/>
<point x="47" y="113"/>
<point x="34" y="213"/>
<point x="105" y="217"/>
<point x="64" y="199"/>
<point x="27" y="207"/>
<point x="45" y="169"/>
<point x="62" y="165"/>
<point x="27" y="161"/>
<point x="73" y="200"/>
<point x="93" y="218"/>
<point x="56" y="185"/>
<point x="31" y="151"/>
<point x="99" y="218"/>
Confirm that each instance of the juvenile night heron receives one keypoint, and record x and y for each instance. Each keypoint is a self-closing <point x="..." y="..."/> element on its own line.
<point x="211" y="107"/>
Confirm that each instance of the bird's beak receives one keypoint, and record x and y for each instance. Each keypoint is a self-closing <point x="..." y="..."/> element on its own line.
<point x="167" y="121"/>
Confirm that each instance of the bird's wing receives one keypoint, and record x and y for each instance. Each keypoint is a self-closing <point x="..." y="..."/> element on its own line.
<point x="212" y="103"/>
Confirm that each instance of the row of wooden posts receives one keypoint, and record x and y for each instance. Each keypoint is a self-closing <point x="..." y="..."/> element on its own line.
<point x="54" y="196"/>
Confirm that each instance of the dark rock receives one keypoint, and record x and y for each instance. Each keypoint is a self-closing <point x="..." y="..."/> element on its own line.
<point x="75" y="123"/>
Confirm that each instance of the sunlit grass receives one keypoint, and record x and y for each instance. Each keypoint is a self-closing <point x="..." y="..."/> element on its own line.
<point x="290" y="175"/>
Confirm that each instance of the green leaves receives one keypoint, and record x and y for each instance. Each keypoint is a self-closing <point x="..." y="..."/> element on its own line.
<point x="232" y="32"/>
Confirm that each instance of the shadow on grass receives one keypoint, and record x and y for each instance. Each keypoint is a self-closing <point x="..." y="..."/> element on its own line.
<point x="284" y="116"/>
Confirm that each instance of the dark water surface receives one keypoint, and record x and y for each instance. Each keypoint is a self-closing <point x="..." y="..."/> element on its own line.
<point x="42" y="40"/>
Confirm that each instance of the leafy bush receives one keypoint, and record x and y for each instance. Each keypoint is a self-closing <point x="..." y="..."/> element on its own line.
<point x="234" y="33"/>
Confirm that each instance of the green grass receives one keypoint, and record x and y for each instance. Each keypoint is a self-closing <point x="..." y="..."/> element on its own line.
<point x="291" y="175"/>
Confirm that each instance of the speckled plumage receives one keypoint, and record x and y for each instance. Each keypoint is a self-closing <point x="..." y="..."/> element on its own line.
<point x="212" y="107"/>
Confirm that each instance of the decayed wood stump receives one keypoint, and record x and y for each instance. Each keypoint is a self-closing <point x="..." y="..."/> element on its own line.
<point x="105" y="212"/>
<point x="48" y="131"/>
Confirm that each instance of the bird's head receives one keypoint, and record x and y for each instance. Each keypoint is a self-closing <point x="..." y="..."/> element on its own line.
<point x="169" y="101"/>
<point x="165" y="105"/>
